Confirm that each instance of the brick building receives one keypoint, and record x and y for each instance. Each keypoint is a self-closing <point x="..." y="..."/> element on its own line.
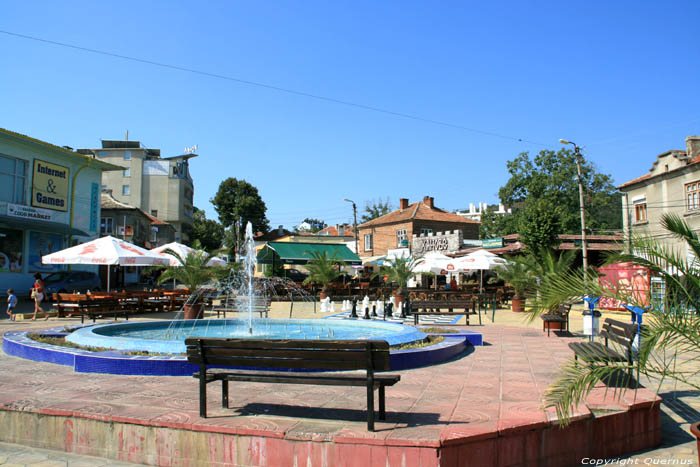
<point x="422" y="219"/>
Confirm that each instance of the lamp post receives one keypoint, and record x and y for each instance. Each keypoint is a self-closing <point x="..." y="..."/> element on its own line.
<point x="577" y="155"/>
<point x="584" y="247"/>
<point x="354" y="223"/>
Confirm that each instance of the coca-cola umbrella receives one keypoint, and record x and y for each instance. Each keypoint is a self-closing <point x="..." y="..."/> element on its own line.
<point x="108" y="251"/>
<point x="479" y="260"/>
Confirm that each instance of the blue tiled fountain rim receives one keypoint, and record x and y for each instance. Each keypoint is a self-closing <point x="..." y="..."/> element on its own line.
<point x="16" y="343"/>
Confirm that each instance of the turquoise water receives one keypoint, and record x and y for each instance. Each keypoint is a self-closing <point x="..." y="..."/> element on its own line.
<point x="169" y="336"/>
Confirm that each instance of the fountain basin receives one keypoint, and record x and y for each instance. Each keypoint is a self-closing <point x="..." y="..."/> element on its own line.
<point x="168" y="337"/>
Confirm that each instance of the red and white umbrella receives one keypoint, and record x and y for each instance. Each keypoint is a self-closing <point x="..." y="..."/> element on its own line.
<point x="183" y="251"/>
<point x="108" y="251"/>
<point x="479" y="260"/>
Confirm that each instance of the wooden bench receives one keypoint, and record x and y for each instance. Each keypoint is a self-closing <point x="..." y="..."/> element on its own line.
<point x="433" y="307"/>
<point x="256" y="354"/>
<point x="68" y="303"/>
<point x="615" y="331"/>
<point x="101" y="308"/>
<point x="262" y="307"/>
<point x="560" y="317"/>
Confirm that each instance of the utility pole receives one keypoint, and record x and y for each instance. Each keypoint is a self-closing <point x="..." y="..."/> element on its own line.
<point x="354" y="223"/>
<point x="584" y="246"/>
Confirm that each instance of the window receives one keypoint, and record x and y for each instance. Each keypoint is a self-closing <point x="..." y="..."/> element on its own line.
<point x="106" y="225"/>
<point x="11" y="246"/>
<point x="692" y="192"/>
<point x="126" y="190"/>
<point x="127" y="155"/>
<point x="154" y="212"/>
<point x="426" y="231"/>
<point x="401" y="238"/>
<point x="13" y="179"/>
<point x="640" y="210"/>
<point x="368" y="242"/>
<point x="127" y="172"/>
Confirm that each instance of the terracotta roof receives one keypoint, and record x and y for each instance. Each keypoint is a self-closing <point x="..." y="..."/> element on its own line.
<point x="418" y="211"/>
<point x="603" y="238"/>
<point x="155" y="220"/>
<point x="332" y="230"/>
<point x="510" y="248"/>
<point x="648" y="176"/>
<point x="107" y="201"/>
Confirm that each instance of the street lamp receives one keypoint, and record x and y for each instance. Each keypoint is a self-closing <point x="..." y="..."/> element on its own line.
<point x="579" y="157"/>
<point x="584" y="247"/>
<point x="354" y="224"/>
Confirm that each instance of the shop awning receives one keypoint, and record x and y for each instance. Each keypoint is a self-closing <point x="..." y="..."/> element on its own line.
<point x="300" y="253"/>
<point x="10" y="222"/>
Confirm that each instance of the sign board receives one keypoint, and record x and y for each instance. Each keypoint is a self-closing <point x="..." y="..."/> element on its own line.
<point x="50" y="186"/>
<point x="191" y="150"/>
<point x="27" y="212"/>
<point x="441" y="241"/>
<point x="492" y="242"/>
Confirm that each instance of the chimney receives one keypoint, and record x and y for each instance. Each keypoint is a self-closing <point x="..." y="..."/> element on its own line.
<point x="403" y="203"/>
<point x="280" y="231"/>
<point x="471" y="208"/>
<point x="692" y="144"/>
<point x="429" y="201"/>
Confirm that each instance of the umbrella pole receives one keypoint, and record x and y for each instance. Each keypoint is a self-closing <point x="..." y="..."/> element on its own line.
<point x="481" y="283"/>
<point x="108" y="271"/>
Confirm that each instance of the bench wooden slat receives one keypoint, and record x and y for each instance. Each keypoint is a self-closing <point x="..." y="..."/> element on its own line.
<point x="288" y="363"/>
<point x="324" y="379"/>
<point x="311" y="354"/>
<point x="615" y="331"/>
<point x="286" y="343"/>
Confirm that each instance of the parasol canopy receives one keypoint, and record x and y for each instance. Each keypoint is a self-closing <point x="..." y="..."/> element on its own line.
<point x="184" y="251"/>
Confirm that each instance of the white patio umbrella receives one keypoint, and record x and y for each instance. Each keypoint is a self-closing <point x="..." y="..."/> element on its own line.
<point x="481" y="260"/>
<point x="434" y="262"/>
<point x="183" y="251"/>
<point x="108" y="251"/>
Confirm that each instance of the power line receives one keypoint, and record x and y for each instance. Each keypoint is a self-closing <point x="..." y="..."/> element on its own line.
<point x="278" y="88"/>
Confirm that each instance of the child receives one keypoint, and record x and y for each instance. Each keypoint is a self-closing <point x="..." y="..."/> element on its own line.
<point x="11" y="304"/>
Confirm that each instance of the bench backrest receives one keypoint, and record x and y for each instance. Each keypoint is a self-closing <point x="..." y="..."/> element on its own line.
<point x="100" y="304"/>
<point x="297" y="354"/>
<point x="619" y="332"/>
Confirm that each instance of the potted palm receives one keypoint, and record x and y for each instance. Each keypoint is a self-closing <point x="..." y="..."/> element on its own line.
<point x="400" y="271"/>
<point x="518" y="275"/>
<point x="671" y="336"/>
<point x="192" y="272"/>
<point x="322" y="270"/>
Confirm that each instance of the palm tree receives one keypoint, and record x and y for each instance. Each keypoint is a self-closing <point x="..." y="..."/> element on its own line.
<point x="671" y="336"/>
<point x="322" y="270"/>
<point x="192" y="272"/>
<point x="399" y="270"/>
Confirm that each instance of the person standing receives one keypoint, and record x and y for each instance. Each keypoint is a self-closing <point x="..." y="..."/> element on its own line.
<point x="38" y="294"/>
<point x="11" y="304"/>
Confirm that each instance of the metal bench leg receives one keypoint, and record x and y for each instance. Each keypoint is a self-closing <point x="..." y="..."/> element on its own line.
<point x="202" y="395"/>
<point x="224" y="393"/>
<point x="370" y="406"/>
<point x="382" y="406"/>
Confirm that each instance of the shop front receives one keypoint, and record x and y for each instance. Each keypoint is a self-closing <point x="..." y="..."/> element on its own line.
<point x="49" y="198"/>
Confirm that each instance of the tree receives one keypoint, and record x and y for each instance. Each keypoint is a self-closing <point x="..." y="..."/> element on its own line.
<point x="497" y="225"/>
<point x="375" y="208"/>
<point x="237" y="202"/>
<point x="323" y="269"/>
<point x="399" y="270"/>
<point x="539" y="225"/>
<point x="208" y="232"/>
<point x="671" y="336"/>
<point x="551" y="178"/>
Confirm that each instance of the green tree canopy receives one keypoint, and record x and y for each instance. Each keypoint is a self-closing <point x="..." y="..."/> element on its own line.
<point x="550" y="179"/>
<point x="237" y="201"/>
<point x="375" y="208"/>
<point x="209" y="232"/>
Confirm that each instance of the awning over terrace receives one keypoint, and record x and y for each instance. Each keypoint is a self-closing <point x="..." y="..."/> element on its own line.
<point x="300" y="253"/>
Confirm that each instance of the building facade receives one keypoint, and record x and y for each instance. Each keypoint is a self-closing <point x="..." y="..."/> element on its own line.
<point x="412" y="226"/>
<point x="672" y="185"/>
<point x="49" y="200"/>
<point x="474" y="213"/>
<point x="160" y="186"/>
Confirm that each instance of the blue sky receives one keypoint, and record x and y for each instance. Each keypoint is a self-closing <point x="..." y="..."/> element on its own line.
<point x="618" y="78"/>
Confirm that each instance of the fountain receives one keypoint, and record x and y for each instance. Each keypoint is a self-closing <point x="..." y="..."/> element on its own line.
<point x="240" y="291"/>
